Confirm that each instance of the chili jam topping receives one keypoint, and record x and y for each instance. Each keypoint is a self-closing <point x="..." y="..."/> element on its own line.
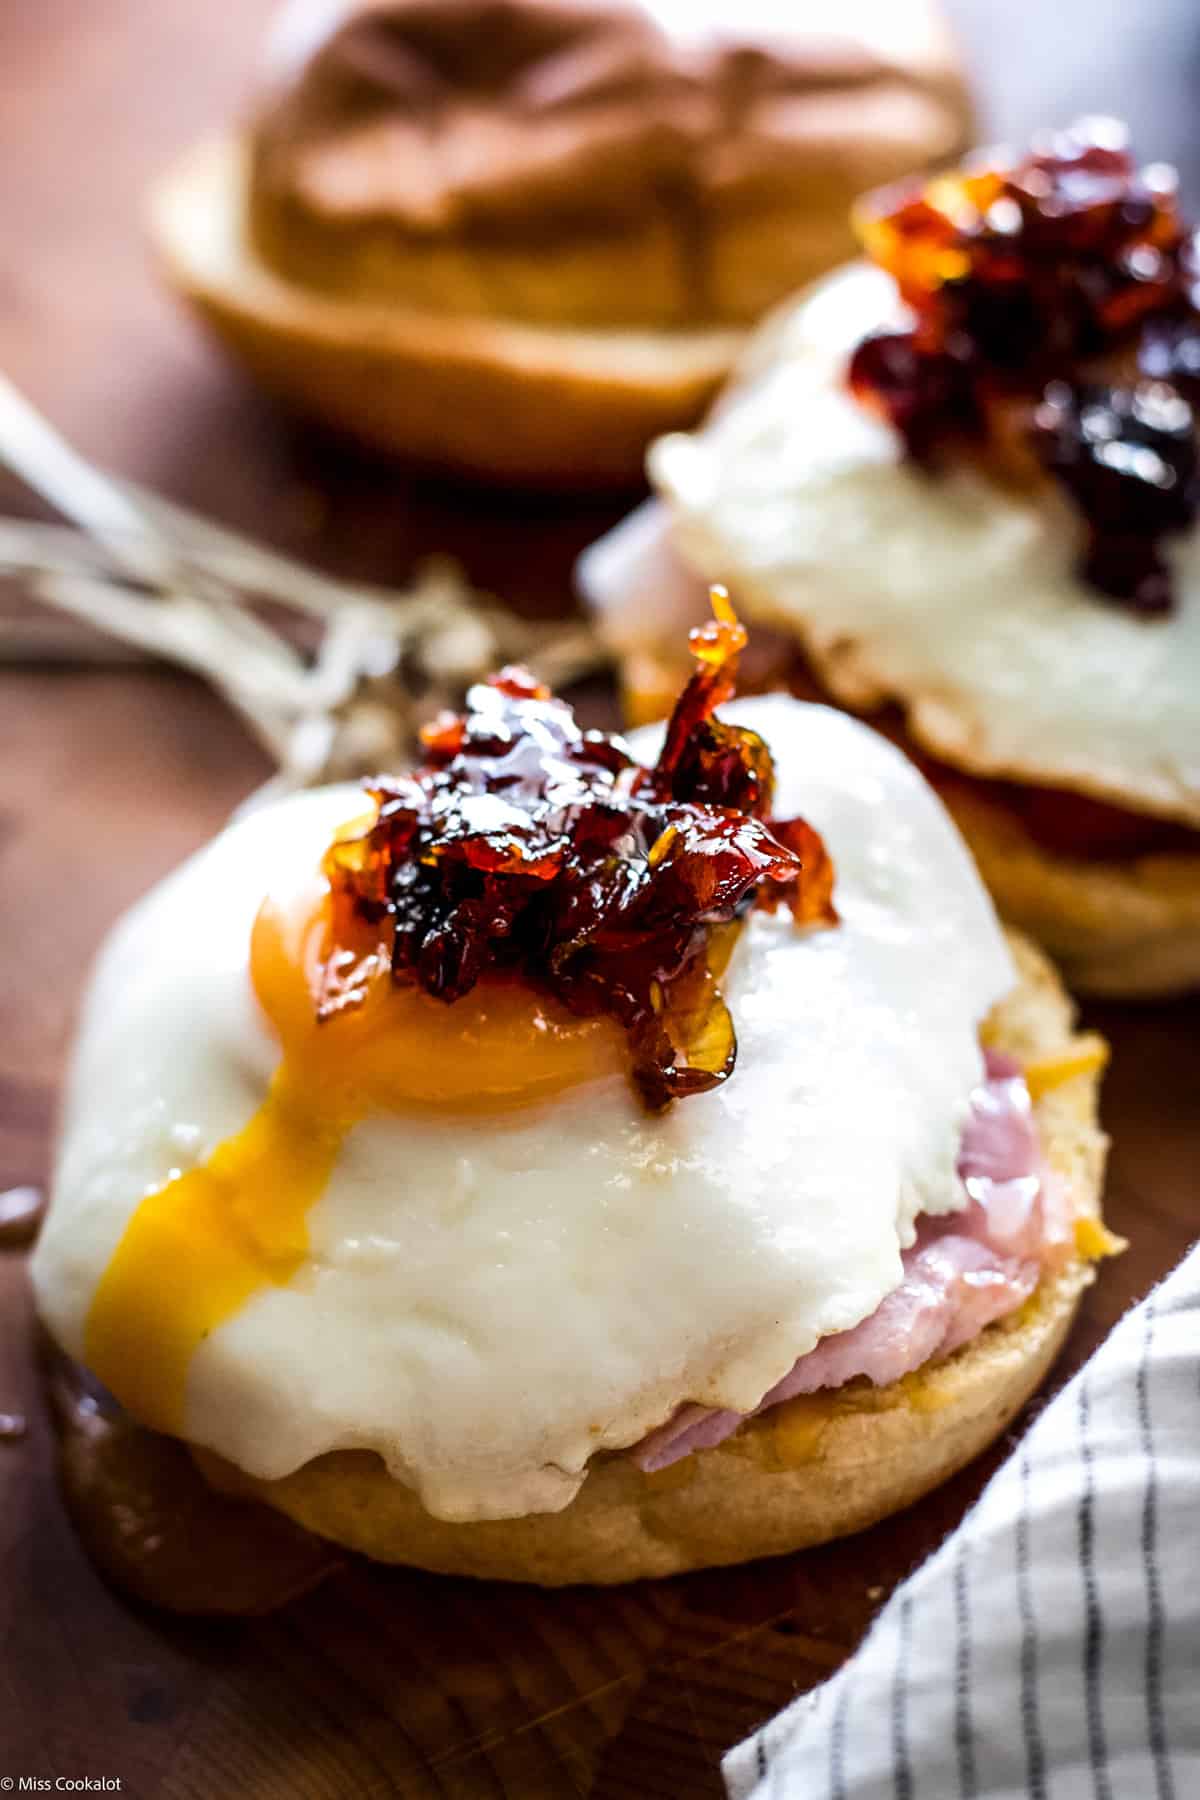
<point x="527" y="847"/>
<point x="1065" y="286"/>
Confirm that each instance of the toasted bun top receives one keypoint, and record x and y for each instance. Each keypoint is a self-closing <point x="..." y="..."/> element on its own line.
<point x="516" y="124"/>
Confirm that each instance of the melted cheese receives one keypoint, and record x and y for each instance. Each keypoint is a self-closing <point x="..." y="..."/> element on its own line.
<point x="488" y="1295"/>
<point x="951" y="595"/>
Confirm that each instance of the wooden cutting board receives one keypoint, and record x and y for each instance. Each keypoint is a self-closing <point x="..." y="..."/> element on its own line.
<point x="382" y="1682"/>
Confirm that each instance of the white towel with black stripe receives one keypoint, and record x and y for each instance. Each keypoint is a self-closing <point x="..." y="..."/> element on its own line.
<point x="1050" y="1650"/>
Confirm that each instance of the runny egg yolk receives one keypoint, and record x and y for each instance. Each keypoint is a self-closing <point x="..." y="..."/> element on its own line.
<point x="196" y="1250"/>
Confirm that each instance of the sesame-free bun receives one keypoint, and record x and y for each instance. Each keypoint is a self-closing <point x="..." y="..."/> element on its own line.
<point x="1125" y="929"/>
<point x="519" y="238"/>
<point x="492" y="398"/>
<point x="811" y="1469"/>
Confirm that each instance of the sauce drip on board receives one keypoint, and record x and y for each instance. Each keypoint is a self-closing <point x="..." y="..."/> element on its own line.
<point x="530" y="910"/>
<point x="21" y="1210"/>
<point x="1055" y="305"/>
<point x="153" y="1525"/>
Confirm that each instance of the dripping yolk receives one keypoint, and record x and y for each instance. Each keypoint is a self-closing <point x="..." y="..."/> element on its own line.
<point x="500" y="1045"/>
<point x="196" y="1250"/>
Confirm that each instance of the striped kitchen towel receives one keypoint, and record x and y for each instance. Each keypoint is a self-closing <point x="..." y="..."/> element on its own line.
<point x="1050" y="1650"/>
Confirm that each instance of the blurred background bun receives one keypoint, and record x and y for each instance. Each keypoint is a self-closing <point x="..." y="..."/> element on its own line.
<point x="517" y="238"/>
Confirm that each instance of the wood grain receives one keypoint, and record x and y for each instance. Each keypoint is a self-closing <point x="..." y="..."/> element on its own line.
<point x="384" y="1682"/>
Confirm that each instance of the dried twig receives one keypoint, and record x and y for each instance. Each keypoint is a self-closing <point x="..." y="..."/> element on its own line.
<point x="156" y="579"/>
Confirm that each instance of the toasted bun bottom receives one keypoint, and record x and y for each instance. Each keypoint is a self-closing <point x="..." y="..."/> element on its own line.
<point x="487" y="397"/>
<point x="1128" y="929"/>
<point x="812" y="1469"/>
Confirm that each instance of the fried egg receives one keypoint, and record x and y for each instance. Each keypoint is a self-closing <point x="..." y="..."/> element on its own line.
<point x="451" y="1234"/>
<point x="952" y="594"/>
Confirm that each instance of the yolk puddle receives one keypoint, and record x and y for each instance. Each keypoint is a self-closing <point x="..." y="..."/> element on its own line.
<point x="199" y="1248"/>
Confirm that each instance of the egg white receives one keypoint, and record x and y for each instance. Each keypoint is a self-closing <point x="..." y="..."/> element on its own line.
<point x="950" y="594"/>
<point x="488" y="1300"/>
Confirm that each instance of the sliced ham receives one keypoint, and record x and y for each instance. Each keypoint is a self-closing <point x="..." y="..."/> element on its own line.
<point x="965" y="1270"/>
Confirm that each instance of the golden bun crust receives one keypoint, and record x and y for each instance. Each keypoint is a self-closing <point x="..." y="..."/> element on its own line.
<point x="811" y="1469"/>
<point x="1125" y="929"/>
<point x="508" y="402"/>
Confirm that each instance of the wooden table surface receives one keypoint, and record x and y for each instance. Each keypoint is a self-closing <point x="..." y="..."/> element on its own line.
<point x="381" y="1682"/>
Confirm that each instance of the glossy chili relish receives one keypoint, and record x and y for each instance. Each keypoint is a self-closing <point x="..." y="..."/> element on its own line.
<point x="528" y="848"/>
<point x="1065" y="281"/>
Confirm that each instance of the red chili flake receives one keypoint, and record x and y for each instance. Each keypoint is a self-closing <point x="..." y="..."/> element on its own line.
<point x="1020" y="275"/>
<point x="525" y="846"/>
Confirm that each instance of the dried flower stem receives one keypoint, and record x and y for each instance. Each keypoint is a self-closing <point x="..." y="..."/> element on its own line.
<point x="164" y="582"/>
